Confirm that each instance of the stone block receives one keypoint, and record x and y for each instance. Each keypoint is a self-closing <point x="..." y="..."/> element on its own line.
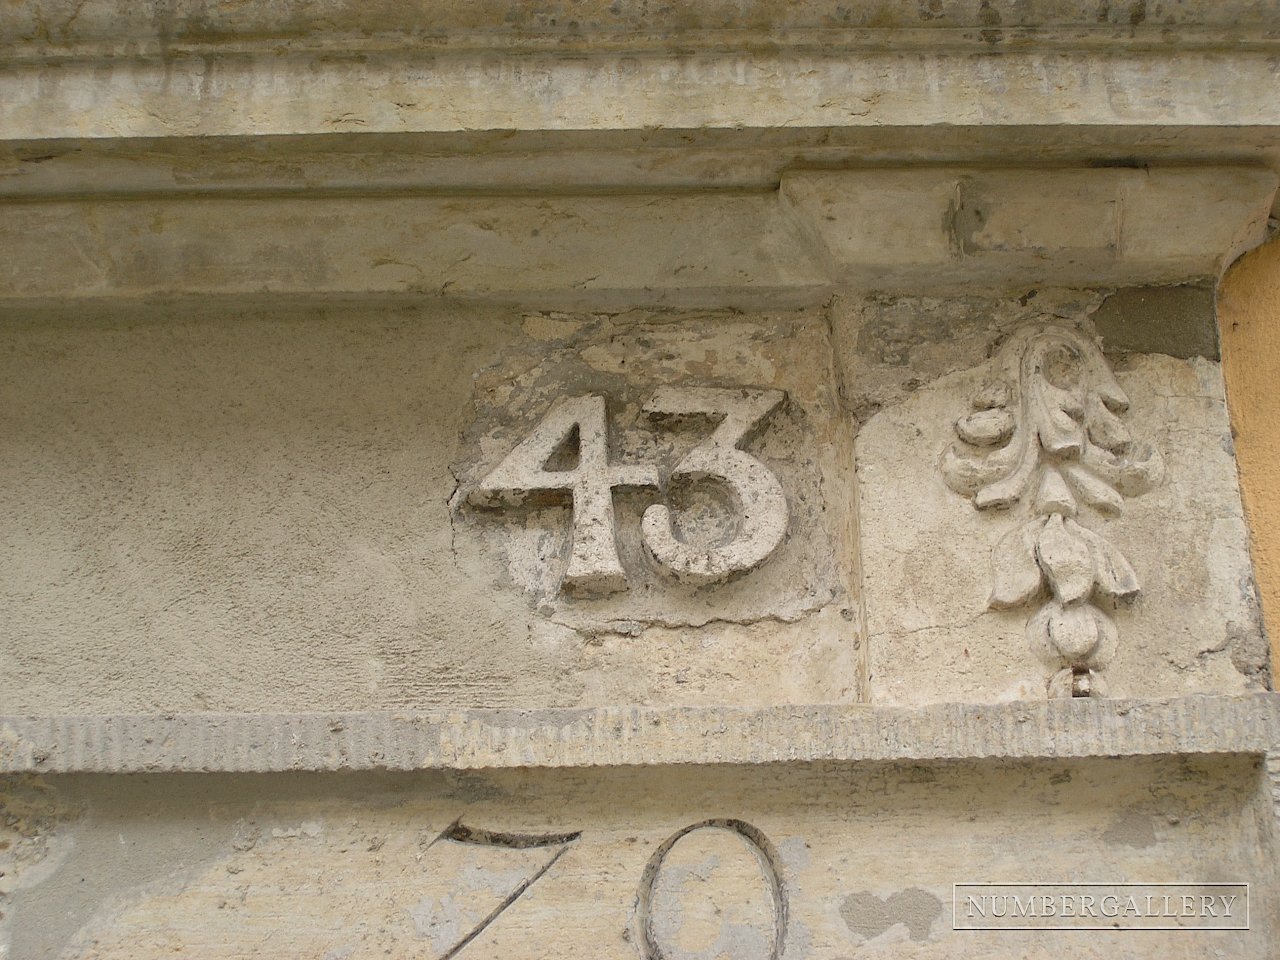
<point x="819" y="861"/>
<point x="215" y="507"/>
<point x="951" y="613"/>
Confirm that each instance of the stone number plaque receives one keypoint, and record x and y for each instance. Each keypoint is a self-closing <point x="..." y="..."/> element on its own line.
<point x="579" y="426"/>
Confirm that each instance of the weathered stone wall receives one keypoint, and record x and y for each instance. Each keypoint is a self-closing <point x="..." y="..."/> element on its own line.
<point x="701" y="482"/>
<point x="278" y="525"/>
<point x="832" y="860"/>
<point x="238" y="508"/>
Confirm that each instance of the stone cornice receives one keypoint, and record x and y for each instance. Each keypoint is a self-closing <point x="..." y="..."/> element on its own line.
<point x="295" y="92"/>
<point x="92" y="29"/>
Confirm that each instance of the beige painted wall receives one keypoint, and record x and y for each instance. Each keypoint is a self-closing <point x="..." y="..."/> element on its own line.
<point x="1249" y="315"/>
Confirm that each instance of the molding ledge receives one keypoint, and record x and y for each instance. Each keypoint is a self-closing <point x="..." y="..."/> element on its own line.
<point x="466" y="739"/>
<point x="912" y="230"/>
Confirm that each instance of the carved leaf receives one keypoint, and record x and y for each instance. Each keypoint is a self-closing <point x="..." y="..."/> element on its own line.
<point x="1112" y="574"/>
<point x="967" y="474"/>
<point x="1143" y="469"/>
<point x="1010" y="489"/>
<point x="1016" y="575"/>
<point x="1073" y="630"/>
<point x="1094" y="491"/>
<point x="1140" y="469"/>
<point x="986" y="428"/>
<point x="1105" y="428"/>
<point x="1065" y="560"/>
<point x="1059" y="434"/>
<point x="1105" y="384"/>
<point x="1053" y="495"/>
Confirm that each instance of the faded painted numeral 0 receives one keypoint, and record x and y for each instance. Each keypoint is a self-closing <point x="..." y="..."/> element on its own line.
<point x="577" y="426"/>
<point x="653" y="940"/>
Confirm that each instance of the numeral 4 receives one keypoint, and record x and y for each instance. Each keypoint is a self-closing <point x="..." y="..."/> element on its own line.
<point x="522" y="476"/>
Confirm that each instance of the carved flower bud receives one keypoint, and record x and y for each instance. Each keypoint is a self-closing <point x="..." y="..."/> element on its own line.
<point x="1016" y="572"/>
<point x="1066" y="561"/>
<point x="1074" y="631"/>
<point x="1079" y="635"/>
<point x="1094" y="491"/>
<point x="986" y="428"/>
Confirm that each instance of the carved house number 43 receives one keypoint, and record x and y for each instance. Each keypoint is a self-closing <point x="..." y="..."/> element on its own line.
<point x="594" y="566"/>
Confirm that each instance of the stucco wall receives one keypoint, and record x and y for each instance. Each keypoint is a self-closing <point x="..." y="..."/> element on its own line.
<point x="1249" y="315"/>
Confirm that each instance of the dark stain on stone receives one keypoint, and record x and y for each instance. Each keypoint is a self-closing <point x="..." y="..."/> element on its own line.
<point x="966" y="217"/>
<point x="990" y="18"/>
<point x="1174" y="320"/>
<point x="869" y="915"/>
<point x="1246" y="643"/>
<point x="930" y="9"/>
<point x="1120" y="163"/>
<point x="862" y="408"/>
<point x="1131" y="829"/>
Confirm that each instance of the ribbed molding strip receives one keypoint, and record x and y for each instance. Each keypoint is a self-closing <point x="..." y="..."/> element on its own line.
<point x="636" y="736"/>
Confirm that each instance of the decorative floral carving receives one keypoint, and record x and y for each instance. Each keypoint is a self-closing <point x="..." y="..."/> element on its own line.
<point x="1051" y="429"/>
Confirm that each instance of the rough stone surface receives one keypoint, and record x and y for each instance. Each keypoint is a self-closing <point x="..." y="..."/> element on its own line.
<point x="832" y="860"/>
<point x="385" y="424"/>
<point x="820" y="84"/>
<point x="524" y="162"/>
<point x="999" y="229"/>
<point x="229" y="508"/>
<point x="43" y="27"/>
